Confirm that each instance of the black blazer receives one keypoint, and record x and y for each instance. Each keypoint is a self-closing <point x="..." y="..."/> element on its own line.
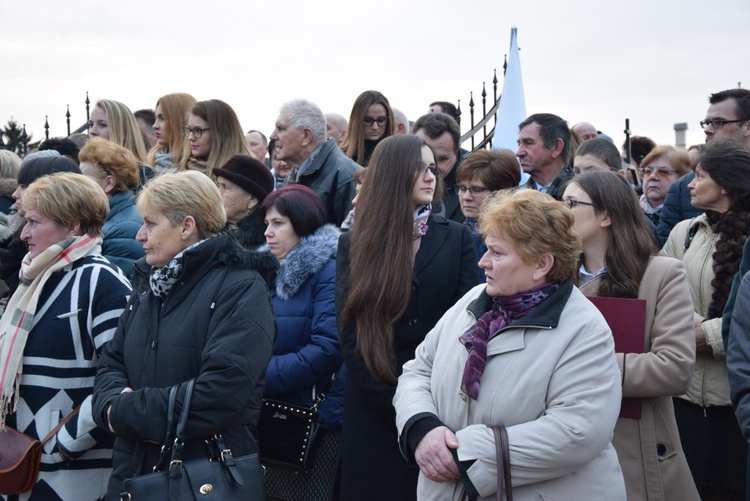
<point x="444" y="270"/>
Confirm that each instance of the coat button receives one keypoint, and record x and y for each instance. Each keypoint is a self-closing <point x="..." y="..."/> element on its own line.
<point x="463" y="397"/>
<point x="413" y="322"/>
<point x="661" y="449"/>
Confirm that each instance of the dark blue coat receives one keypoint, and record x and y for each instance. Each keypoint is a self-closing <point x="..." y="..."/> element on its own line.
<point x="120" y="229"/>
<point x="306" y="352"/>
<point x="676" y="207"/>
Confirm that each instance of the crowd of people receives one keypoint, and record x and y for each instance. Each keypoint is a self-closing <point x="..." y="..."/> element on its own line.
<point x="411" y="294"/>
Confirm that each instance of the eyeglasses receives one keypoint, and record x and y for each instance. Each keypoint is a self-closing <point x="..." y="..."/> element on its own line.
<point x="718" y="123"/>
<point x="197" y="131"/>
<point x="430" y="168"/>
<point x="572" y="202"/>
<point x="369" y="120"/>
<point x="474" y="190"/>
<point x="646" y="172"/>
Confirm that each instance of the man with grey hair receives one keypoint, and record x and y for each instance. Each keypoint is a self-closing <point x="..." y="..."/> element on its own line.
<point x="336" y="127"/>
<point x="316" y="162"/>
<point x="402" y="123"/>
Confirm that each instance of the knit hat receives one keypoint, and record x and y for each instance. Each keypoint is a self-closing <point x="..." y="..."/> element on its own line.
<point x="249" y="174"/>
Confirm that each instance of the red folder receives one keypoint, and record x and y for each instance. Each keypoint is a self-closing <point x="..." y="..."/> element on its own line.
<point x="626" y="318"/>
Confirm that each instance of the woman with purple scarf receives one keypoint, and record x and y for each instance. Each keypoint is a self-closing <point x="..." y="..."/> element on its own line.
<point x="525" y="350"/>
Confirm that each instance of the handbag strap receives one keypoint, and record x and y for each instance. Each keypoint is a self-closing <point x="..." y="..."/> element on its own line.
<point x="60" y="425"/>
<point x="503" y="463"/>
<point x="182" y="423"/>
<point x="168" y="437"/>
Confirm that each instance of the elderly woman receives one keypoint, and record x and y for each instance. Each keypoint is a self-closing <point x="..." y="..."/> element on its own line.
<point x="199" y="311"/>
<point x="306" y="353"/>
<point x="710" y="245"/>
<point x="659" y="170"/>
<point x="527" y="351"/>
<point x="618" y="261"/>
<point x="115" y="169"/>
<point x="479" y="175"/>
<point x="74" y="298"/>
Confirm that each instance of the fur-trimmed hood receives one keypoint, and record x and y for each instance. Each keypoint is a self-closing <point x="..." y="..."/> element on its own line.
<point x="250" y="235"/>
<point x="306" y="259"/>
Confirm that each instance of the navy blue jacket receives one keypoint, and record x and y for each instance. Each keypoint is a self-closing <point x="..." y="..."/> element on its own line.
<point x="120" y="229"/>
<point x="306" y="353"/>
<point x="676" y="207"/>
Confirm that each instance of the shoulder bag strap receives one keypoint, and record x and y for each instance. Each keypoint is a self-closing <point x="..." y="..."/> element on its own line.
<point x="503" y="463"/>
<point x="60" y="425"/>
<point x="182" y="423"/>
<point x="168" y="435"/>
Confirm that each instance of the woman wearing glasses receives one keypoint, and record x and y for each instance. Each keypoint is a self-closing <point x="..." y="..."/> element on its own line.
<point x="659" y="169"/>
<point x="710" y="245"/>
<point x="395" y="277"/>
<point x="479" y="175"/>
<point x="172" y="147"/>
<point x="371" y="121"/>
<point x="619" y="260"/>
<point x="215" y="136"/>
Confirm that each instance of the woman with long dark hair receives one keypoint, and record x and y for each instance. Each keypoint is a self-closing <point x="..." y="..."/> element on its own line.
<point x="710" y="245"/>
<point x="371" y="121"/>
<point x="398" y="271"/>
<point x="619" y="260"/>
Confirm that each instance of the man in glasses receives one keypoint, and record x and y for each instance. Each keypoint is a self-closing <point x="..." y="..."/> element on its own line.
<point x="728" y="116"/>
<point x="316" y="161"/>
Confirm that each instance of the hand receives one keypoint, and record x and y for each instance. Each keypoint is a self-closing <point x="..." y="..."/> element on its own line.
<point x="109" y="422"/>
<point x="434" y="457"/>
<point x="701" y="346"/>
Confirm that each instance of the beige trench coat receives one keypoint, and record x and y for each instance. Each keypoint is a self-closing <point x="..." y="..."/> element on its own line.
<point x="649" y="449"/>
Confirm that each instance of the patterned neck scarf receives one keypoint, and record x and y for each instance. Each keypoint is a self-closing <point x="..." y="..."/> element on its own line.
<point x="420" y="220"/>
<point x="472" y="224"/>
<point x="163" y="279"/>
<point x="504" y="311"/>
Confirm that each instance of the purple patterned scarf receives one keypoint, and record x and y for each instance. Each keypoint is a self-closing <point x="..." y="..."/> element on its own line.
<point x="504" y="311"/>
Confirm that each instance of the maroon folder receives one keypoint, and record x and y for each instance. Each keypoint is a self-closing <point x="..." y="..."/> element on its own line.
<point x="626" y="318"/>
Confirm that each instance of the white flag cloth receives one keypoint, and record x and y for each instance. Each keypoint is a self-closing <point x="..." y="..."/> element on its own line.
<point x="512" y="109"/>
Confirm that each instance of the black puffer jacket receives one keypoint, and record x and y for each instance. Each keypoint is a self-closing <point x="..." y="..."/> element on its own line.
<point x="215" y="325"/>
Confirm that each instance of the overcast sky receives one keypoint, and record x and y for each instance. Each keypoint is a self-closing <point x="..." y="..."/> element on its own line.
<point x="654" y="62"/>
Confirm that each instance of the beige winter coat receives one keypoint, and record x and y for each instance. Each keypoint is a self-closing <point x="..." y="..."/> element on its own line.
<point x="551" y="378"/>
<point x="649" y="449"/>
<point x="710" y="383"/>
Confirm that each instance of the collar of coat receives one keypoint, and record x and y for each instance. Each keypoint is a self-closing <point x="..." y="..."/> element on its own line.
<point x="305" y="260"/>
<point x="546" y="315"/>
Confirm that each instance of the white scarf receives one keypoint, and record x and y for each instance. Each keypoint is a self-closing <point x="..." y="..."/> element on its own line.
<point x="18" y="318"/>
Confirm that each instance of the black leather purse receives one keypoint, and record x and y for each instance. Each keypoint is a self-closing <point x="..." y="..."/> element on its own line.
<point x="288" y="433"/>
<point x="219" y="476"/>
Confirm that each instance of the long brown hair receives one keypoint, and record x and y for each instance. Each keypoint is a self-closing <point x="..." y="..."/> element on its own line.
<point x="630" y="241"/>
<point x="380" y="271"/>
<point x="354" y="143"/>
<point x="175" y="108"/>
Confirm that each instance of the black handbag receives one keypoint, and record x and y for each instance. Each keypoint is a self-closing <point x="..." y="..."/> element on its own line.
<point x="220" y="476"/>
<point x="287" y="433"/>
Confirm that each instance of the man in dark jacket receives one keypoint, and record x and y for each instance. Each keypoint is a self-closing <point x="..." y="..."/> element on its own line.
<point x="543" y="150"/>
<point x="300" y="141"/>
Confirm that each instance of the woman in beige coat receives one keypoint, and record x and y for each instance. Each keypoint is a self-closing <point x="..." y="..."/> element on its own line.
<point x="526" y="350"/>
<point x="618" y="261"/>
<point x="710" y="245"/>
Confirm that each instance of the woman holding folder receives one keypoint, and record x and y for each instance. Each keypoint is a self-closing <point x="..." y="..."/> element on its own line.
<point x="619" y="261"/>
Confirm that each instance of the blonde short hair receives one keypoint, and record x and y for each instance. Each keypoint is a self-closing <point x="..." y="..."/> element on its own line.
<point x="69" y="198"/>
<point x="538" y="224"/>
<point x="10" y="164"/>
<point x="178" y="195"/>
<point x="112" y="160"/>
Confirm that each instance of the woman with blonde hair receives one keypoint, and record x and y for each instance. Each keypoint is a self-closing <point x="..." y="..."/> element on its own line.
<point x="659" y="169"/>
<point x="70" y="298"/>
<point x="371" y="121"/>
<point x="113" y="121"/>
<point x="215" y="136"/>
<point x="172" y="147"/>
<point x="115" y="169"/>
<point x="10" y="164"/>
<point x="200" y="310"/>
